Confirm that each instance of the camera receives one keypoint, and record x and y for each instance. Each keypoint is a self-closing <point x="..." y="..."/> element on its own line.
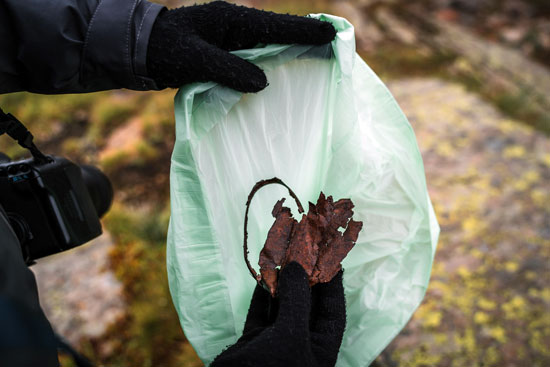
<point x="53" y="204"/>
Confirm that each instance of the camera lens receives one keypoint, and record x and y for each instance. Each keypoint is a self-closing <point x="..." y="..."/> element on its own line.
<point x="20" y="227"/>
<point x="99" y="187"/>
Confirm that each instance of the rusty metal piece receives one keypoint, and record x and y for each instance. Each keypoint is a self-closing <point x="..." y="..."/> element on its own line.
<point x="256" y="187"/>
<point x="315" y="242"/>
<point x="274" y="251"/>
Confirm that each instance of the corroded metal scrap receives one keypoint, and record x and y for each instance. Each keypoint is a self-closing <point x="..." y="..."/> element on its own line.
<point x="315" y="242"/>
<point x="276" y="245"/>
<point x="304" y="242"/>
<point x="272" y="260"/>
<point x="335" y="246"/>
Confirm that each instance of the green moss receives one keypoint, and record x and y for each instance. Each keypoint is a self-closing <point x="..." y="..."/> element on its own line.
<point x="150" y="334"/>
<point x="158" y="118"/>
<point x="519" y="106"/>
<point x="394" y="60"/>
<point x="108" y="114"/>
<point x="298" y="7"/>
<point x="35" y="109"/>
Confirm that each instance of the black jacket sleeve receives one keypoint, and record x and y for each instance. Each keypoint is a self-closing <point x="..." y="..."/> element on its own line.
<point x="26" y="337"/>
<point x="75" y="46"/>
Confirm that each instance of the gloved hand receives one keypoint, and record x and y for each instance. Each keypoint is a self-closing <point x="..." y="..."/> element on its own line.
<point x="191" y="44"/>
<point x="301" y="327"/>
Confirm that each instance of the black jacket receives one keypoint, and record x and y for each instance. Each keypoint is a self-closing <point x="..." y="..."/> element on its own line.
<point x="26" y="337"/>
<point x="50" y="47"/>
<point x="74" y="46"/>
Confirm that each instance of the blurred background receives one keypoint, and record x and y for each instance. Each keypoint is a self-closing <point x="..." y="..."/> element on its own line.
<point x="472" y="76"/>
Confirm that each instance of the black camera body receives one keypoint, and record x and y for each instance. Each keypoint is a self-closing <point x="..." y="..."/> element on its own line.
<point x="53" y="205"/>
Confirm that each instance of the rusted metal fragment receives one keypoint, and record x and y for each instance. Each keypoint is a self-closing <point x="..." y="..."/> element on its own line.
<point x="333" y="215"/>
<point x="315" y="242"/>
<point x="273" y="253"/>
<point x="269" y="278"/>
<point x="258" y="186"/>
<point x="333" y="252"/>
<point x="304" y="242"/>
<point x="335" y="245"/>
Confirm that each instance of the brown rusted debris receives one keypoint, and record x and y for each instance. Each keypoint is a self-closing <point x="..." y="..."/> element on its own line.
<point x="304" y="243"/>
<point x="315" y="242"/>
<point x="273" y="253"/>
<point x="257" y="186"/>
<point x="333" y="252"/>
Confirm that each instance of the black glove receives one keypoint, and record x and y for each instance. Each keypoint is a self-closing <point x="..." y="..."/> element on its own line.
<point x="191" y="44"/>
<point x="301" y="327"/>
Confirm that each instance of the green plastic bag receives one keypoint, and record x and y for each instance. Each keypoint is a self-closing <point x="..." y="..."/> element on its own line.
<point x="325" y="123"/>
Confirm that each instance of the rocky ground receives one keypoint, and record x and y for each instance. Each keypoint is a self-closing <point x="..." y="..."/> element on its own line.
<point x="487" y="175"/>
<point x="79" y="292"/>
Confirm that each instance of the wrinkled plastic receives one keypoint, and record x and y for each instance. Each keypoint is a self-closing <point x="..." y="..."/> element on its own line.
<point x="324" y="123"/>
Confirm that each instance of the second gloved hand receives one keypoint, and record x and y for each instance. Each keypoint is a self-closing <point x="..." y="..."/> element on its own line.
<point x="302" y="327"/>
<point x="191" y="44"/>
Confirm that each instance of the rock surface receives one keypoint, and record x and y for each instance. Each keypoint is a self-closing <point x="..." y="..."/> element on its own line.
<point x="78" y="292"/>
<point x="488" y="180"/>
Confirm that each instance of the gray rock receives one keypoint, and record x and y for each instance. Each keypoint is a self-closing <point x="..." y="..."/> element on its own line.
<point x="78" y="291"/>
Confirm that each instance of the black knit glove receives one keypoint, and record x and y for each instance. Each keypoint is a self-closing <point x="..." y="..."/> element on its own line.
<point x="190" y="44"/>
<point x="299" y="328"/>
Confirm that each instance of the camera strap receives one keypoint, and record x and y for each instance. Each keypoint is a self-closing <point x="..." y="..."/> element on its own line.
<point x="10" y="125"/>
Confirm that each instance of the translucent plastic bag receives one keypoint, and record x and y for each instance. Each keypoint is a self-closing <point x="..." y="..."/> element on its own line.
<point x="325" y="123"/>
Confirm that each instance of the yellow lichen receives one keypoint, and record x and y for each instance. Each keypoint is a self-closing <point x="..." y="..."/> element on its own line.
<point x="433" y="319"/>
<point x="511" y="266"/>
<point x="487" y="304"/>
<point x="498" y="333"/>
<point x="481" y="317"/>
<point x="514" y="151"/>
